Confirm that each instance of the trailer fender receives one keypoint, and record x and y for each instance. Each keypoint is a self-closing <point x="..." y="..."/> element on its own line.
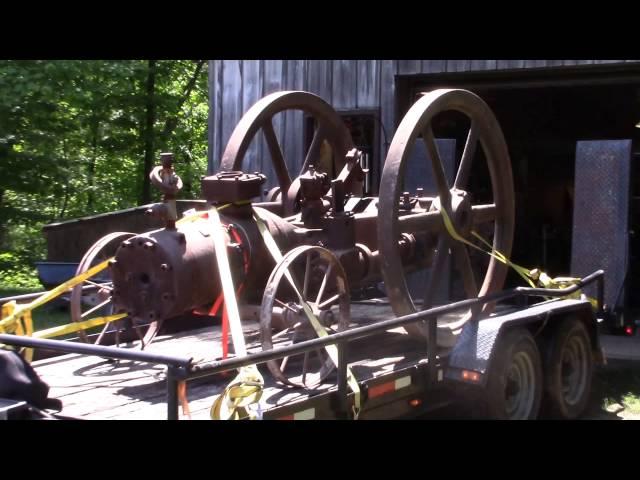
<point x="470" y="359"/>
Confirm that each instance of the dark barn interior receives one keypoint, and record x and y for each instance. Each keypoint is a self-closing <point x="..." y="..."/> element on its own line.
<point x="542" y="120"/>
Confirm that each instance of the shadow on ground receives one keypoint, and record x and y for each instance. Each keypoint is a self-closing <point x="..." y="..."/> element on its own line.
<point x="615" y="392"/>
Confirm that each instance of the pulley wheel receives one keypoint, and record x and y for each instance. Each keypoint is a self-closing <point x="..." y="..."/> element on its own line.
<point x="484" y="136"/>
<point x="322" y="285"/>
<point x="330" y="130"/>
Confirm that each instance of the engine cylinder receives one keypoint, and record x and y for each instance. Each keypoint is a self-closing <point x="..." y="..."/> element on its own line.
<point x="164" y="273"/>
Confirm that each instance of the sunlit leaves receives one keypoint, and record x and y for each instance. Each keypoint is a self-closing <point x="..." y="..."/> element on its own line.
<point x="71" y="132"/>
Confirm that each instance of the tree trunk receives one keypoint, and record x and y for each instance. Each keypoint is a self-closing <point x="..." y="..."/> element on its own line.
<point x="65" y="202"/>
<point x="172" y="121"/>
<point x="92" y="165"/>
<point x="2" y="220"/>
<point x="150" y="118"/>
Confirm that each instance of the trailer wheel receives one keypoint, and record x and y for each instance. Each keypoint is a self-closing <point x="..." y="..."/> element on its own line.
<point x="515" y="383"/>
<point x="568" y="370"/>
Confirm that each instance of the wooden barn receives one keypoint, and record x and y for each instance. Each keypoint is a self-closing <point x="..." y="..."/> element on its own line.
<point x="571" y="127"/>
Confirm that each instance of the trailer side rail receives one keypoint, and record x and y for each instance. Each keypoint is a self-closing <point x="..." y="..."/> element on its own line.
<point x="183" y="369"/>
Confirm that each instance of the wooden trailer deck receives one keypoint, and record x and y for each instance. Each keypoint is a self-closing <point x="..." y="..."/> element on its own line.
<point x="95" y="388"/>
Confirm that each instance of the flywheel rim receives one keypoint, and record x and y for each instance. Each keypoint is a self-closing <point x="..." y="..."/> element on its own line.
<point x="489" y="135"/>
<point x="331" y="128"/>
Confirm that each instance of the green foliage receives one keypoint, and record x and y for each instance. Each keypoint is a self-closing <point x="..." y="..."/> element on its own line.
<point x="15" y="274"/>
<point x="72" y="141"/>
<point x="620" y="388"/>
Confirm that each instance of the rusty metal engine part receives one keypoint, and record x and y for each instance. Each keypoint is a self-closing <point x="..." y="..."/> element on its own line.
<point x="169" y="183"/>
<point x="330" y="131"/>
<point x="323" y="286"/>
<point x="455" y="199"/>
<point x="164" y="273"/>
<point x="232" y="187"/>
<point x="83" y="303"/>
<point x="167" y="272"/>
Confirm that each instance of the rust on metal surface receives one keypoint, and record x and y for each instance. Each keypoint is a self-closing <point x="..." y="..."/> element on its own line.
<point x="484" y="130"/>
<point x="344" y="241"/>
<point x="164" y="178"/>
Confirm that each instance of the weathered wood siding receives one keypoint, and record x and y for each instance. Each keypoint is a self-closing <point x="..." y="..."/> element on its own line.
<point x="348" y="85"/>
<point x="69" y="240"/>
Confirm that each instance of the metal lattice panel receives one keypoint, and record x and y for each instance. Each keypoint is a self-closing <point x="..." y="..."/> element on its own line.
<point x="473" y="348"/>
<point x="600" y="214"/>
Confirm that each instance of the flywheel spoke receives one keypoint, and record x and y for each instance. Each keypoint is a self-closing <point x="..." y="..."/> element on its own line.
<point x="277" y="157"/>
<point x="462" y="177"/>
<point x="463" y="263"/>
<point x="483" y="213"/>
<point x="314" y="150"/>
<point x="437" y="166"/>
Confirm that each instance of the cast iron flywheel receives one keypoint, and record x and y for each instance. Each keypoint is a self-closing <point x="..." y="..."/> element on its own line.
<point x="456" y="199"/>
<point x="329" y="127"/>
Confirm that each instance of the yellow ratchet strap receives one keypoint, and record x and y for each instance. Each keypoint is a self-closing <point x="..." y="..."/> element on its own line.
<point x="331" y="350"/>
<point x="17" y="319"/>
<point x="246" y="389"/>
<point x="56" y="292"/>
<point x="522" y="271"/>
<point x="76" y="326"/>
<point x="22" y="325"/>
<point x="530" y="276"/>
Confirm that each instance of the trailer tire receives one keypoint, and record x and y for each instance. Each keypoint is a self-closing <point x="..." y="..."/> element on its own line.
<point x="515" y="383"/>
<point x="568" y="371"/>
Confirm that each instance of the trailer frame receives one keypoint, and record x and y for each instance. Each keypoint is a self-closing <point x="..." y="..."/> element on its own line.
<point x="430" y="380"/>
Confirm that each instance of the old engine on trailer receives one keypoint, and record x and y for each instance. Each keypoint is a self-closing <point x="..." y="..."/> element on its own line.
<point x="335" y="239"/>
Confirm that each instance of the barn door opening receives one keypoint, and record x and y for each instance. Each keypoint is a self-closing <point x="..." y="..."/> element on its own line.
<point x="543" y="116"/>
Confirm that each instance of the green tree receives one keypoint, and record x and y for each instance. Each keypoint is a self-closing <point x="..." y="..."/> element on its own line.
<point x="80" y="137"/>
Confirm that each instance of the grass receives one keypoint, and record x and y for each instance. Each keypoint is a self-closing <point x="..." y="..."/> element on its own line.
<point x="11" y="291"/>
<point x="617" y="386"/>
<point x="50" y="317"/>
<point x="46" y="316"/>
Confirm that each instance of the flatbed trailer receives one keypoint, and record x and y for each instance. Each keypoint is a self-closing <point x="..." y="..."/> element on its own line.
<point x="319" y="227"/>
<point x="399" y="376"/>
